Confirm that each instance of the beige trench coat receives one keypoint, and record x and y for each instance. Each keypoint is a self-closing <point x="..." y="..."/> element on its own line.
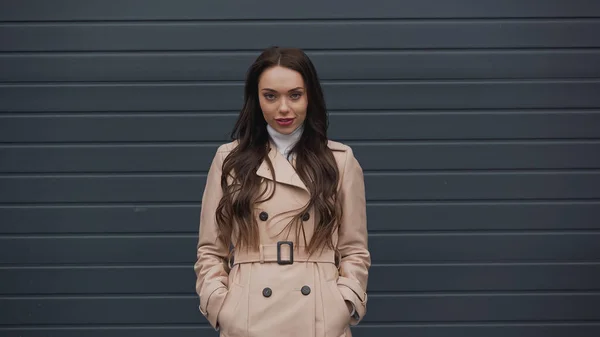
<point x="260" y="296"/>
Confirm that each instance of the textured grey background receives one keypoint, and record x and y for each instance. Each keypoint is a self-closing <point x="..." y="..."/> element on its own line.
<point x="477" y="123"/>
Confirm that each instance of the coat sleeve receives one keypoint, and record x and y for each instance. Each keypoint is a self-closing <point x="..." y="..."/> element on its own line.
<point x="355" y="259"/>
<point x="211" y="277"/>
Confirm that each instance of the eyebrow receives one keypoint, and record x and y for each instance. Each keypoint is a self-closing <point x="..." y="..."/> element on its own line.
<point x="297" y="88"/>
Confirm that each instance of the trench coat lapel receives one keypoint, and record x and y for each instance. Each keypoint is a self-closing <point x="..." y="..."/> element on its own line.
<point x="284" y="171"/>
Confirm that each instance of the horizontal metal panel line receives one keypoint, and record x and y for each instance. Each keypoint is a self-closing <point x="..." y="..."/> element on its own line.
<point x="258" y="50"/>
<point x="439" y="262"/>
<point x="29" y="266"/>
<point x="195" y="174"/>
<point x="488" y="233"/>
<point x="110" y="296"/>
<point x="377" y="51"/>
<point x="324" y="82"/>
<point x="191" y="295"/>
<point x="385" y="233"/>
<point x="403" y="202"/>
<point x="485" y="232"/>
<point x="332" y="112"/>
<point x="346" y="20"/>
<point x="174" y="204"/>
<point x="500" y="323"/>
<point x="374" y="265"/>
<point x="48" y="327"/>
<point x="427" y="324"/>
<point x="484" y="324"/>
<point x="92" y="266"/>
<point x="369" y="142"/>
<point x="494" y="293"/>
<point x="458" y="232"/>
<point x="515" y="202"/>
<point x="345" y="81"/>
<point x="484" y="264"/>
<point x="54" y="174"/>
<point x="478" y="172"/>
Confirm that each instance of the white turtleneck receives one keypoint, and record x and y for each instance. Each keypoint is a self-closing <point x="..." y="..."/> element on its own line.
<point x="285" y="143"/>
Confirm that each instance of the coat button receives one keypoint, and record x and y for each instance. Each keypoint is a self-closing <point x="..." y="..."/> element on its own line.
<point x="305" y="290"/>
<point x="305" y="217"/>
<point x="263" y="216"/>
<point x="267" y="292"/>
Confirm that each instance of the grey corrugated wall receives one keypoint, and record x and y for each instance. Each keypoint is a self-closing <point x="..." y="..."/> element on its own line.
<point x="477" y="123"/>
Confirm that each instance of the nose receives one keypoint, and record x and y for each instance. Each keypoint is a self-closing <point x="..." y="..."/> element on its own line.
<point x="284" y="107"/>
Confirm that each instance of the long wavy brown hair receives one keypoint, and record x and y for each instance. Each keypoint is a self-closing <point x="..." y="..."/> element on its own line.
<point x="315" y="163"/>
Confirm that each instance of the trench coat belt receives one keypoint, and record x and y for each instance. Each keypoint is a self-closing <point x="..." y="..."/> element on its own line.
<point x="268" y="253"/>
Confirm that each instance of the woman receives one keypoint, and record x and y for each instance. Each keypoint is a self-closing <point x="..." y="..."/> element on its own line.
<point x="291" y="205"/>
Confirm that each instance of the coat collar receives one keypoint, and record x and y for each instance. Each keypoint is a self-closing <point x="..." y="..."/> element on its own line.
<point x="284" y="171"/>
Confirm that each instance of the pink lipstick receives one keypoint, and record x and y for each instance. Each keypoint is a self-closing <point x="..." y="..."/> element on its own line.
<point x="284" y="121"/>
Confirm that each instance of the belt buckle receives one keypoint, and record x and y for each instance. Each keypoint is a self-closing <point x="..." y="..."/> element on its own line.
<point x="291" y="259"/>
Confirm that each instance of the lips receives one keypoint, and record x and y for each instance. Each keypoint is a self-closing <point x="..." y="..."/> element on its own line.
<point x="284" y="121"/>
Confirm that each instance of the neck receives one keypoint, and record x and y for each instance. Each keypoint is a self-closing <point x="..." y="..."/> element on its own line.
<point x="285" y="143"/>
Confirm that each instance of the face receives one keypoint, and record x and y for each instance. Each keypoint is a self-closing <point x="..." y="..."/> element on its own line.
<point x="282" y="98"/>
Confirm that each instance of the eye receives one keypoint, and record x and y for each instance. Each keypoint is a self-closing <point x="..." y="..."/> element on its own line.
<point x="296" y="96"/>
<point x="269" y="97"/>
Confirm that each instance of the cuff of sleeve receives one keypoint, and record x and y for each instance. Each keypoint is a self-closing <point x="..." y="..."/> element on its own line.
<point x="211" y="301"/>
<point x="351" y="291"/>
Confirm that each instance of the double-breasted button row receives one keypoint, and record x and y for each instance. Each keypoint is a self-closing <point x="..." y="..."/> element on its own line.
<point x="264" y="216"/>
<point x="267" y="292"/>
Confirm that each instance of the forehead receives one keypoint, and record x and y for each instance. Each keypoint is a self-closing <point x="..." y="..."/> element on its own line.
<point x="280" y="79"/>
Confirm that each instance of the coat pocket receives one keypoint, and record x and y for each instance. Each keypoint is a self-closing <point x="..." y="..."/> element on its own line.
<point x="212" y="297"/>
<point x="233" y="316"/>
<point x="337" y="316"/>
